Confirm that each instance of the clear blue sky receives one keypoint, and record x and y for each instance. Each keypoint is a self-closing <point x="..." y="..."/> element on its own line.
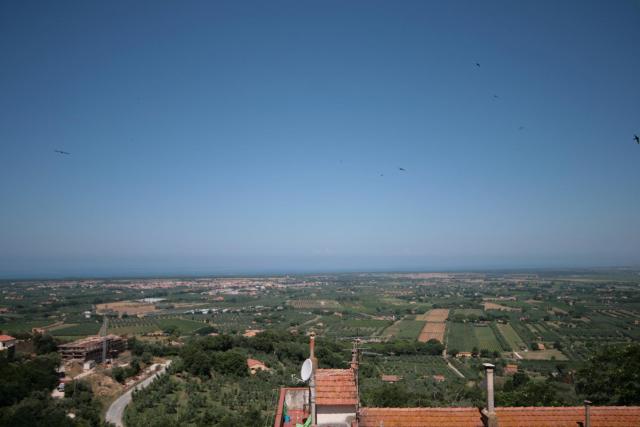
<point x="237" y="137"/>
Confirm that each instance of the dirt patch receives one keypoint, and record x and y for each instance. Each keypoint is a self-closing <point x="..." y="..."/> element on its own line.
<point x="494" y="306"/>
<point x="132" y="308"/>
<point x="432" y="330"/>
<point x="435" y="326"/>
<point x="435" y="315"/>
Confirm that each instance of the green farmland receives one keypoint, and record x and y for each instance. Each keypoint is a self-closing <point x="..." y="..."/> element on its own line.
<point x="151" y="324"/>
<point x="461" y="336"/>
<point x="77" y="330"/>
<point x="405" y="329"/>
<point x="467" y="336"/>
<point x="486" y="339"/>
<point x="511" y="336"/>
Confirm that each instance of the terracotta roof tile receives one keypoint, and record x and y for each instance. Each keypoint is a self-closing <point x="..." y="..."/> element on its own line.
<point x="420" y="417"/>
<point x="569" y="416"/>
<point x="601" y="416"/>
<point x="255" y="362"/>
<point x="336" y="387"/>
<point x="6" y="338"/>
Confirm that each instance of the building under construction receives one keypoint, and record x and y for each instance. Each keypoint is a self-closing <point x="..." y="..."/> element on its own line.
<point x="93" y="348"/>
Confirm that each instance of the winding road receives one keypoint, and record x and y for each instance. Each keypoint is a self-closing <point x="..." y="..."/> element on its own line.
<point x="116" y="410"/>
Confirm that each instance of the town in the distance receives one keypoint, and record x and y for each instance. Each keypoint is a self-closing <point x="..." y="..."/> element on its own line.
<point x="492" y="348"/>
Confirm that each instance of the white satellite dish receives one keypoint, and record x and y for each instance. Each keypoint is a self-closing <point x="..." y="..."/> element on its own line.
<point x="306" y="370"/>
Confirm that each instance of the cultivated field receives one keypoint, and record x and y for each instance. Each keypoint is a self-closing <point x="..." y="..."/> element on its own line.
<point x="131" y="308"/>
<point x="461" y="337"/>
<point x="152" y="324"/>
<point x="435" y="315"/>
<point x="469" y="311"/>
<point x="432" y="331"/>
<point x="486" y="338"/>
<point x="413" y="367"/>
<point x="494" y="306"/>
<point x="509" y="334"/>
<point x="543" y="355"/>
<point x="435" y="326"/>
<point x="76" y="330"/>
<point x="409" y="329"/>
<point x="313" y="303"/>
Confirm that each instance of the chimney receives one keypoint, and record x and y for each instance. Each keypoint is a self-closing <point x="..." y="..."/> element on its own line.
<point x="312" y="382"/>
<point x="354" y="368"/>
<point x="490" y="410"/>
<point x="587" y="413"/>
<point x="354" y="355"/>
<point x="312" y="346"/>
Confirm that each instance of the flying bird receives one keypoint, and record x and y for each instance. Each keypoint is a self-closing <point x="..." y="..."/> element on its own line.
<point x="521" y="128"/>
<point x="402" y="169"/>
<point x="637" y="139"/>
<point x="495" y="97"/>
<point x="478" y="64"/>
<point x="62" y="152"/>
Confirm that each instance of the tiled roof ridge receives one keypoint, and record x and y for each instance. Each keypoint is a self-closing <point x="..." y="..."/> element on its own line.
<point x="572" y="408"/>
<point x="502" y="408"/>
<point x="422" y="408"/>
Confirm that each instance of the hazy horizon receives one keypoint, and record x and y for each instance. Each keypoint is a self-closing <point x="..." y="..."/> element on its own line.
<point x="252" y="136"/>
<point x="272" y="268"/>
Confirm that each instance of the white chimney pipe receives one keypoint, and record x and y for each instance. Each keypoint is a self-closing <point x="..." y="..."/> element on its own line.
<point x="488" y="367"/>
<point x="587" y="413"/>
<point x="312" y="383"/>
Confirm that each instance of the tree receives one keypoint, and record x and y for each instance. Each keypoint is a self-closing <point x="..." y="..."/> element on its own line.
<point x="44" y="344"/>
<point x="38" y="409"/>
<point x="391" y="396"/>
<point x="22" y="377"/>
<point x="118" y="374"/>
<point x="196" y="361"/>
<point x="531" y="393"/>
<point x="232" y="362"/>
<point x="612" y="376"/>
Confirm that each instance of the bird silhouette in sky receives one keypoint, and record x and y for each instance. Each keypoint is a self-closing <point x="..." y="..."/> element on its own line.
<point x="521" y="128"/>
<point x="637" y="139"/>
<point x="62" y="152"/>
<point x="478" y="64"/>
<point x="495" y="97"/>
<point x="402" y="169"/>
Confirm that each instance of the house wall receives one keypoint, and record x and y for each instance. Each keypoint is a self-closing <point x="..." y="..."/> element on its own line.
<point x="338" y="415"/>
<point x="7" y="344"/>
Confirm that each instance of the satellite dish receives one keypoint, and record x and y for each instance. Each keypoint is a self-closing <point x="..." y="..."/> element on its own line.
<point x="306" y="370"/>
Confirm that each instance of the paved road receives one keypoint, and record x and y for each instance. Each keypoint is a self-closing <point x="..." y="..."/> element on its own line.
<point x="116" y="410"/>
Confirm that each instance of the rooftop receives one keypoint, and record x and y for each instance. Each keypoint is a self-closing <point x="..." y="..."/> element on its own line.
<point x="567" y="416"/>
<point x="88" y="341"/>
<point x="4" y="338"/>
<point x="420" y="417"/>
<point x="336" y="387"/>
